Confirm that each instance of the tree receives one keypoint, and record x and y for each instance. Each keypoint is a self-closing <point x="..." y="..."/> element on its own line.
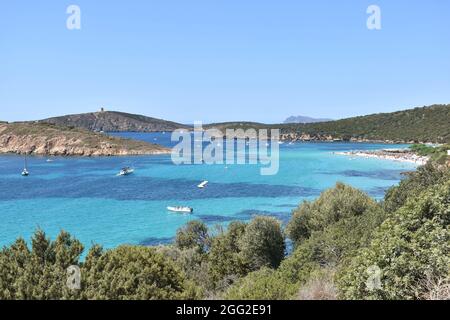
<point x="39" y="273"/>
<point x="263" y="243"/>
<point x="194" y="265"/>
<point x="417" y="182"/>
<point x="264" y="284"/>
<point x="225" y="259"/>
<point x="334" y="204"/>
<point x="134" y="273"/>
<point x="193" y="235"/>
<point x="411" y="246"/>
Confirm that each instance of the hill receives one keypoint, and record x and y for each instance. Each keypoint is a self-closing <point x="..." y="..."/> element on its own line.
<point x="426" y="124"/>
<point x="112" y="121"/>
<point x="419" y="125"/>
<point x="49" y="139"/>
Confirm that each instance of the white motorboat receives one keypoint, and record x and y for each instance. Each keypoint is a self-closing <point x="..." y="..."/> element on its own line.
<point x="203" y="184"/>
<point x="125" y="171"/>
<point x="25" y="172"/>
<point x="181" y="209"/>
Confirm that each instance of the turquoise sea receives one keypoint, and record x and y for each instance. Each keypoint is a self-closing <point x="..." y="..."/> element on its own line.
<point x="85" y="197"/>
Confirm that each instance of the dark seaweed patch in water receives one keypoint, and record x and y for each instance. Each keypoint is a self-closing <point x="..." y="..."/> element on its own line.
<point x="153" y="241"/>
<point x="211" y="218"/>
<point x="377" y="192"/>
<point x="393" y="175"/>
<point x="287" y="205"/>
<point x="249" y="214"/>
<point x="139" y="188"/>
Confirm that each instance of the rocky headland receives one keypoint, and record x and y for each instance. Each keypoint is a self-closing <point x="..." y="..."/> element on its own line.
<point x="52" y="140"/>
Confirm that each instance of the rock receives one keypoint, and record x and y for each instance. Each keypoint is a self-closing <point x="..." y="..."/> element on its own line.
<point x="45" y="139"/>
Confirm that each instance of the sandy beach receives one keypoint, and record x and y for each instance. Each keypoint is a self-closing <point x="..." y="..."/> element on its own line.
<point x="401" y="155"/>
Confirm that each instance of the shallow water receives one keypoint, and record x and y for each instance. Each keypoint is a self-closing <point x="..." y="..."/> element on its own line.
<point x="85" y="197"/>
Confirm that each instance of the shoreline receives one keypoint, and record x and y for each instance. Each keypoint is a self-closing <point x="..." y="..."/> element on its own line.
<point x="51" y="140"/>
<point x="399" y="155"/>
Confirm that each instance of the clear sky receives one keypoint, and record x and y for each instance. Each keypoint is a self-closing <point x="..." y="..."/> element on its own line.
<point x="222" y="60"/>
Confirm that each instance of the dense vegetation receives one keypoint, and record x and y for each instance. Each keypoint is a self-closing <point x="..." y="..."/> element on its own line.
<point x="345" y="246"/>
<point x="436" y="153"/>
<point x="426" y="124"/>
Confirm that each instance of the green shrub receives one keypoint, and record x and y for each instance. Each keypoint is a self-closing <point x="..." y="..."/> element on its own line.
<point x="226" y="261"/>
<point x="423" y="150"/>
<point x="194" y="265"/>
<point x="264" y="284"/>
<point x="134" y="273"/>
<point x="39" y="273"/>
<point x="412" y="245"/>
<point x="262" y="244"/>
<point x="334" y="204"/>
<point x="416" y="183"/>
<point x="193" y="235"/>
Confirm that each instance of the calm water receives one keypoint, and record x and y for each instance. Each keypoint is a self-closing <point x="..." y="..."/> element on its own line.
<point x="85" y="197"/>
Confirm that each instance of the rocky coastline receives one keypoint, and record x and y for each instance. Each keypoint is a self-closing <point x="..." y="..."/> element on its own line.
<point x="51" y="140"/>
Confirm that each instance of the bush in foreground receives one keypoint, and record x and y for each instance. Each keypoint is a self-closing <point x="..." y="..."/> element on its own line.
<point x="411" y="247"/>
<point x="262" y="244"/>
<point x="39" y="273"/>
<point x="333" y="205"/>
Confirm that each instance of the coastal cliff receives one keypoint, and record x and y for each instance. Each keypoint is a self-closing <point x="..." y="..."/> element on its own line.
<point x="52" y="140"/>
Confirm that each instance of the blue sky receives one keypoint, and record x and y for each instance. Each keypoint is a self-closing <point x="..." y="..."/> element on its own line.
<point x="222" y="60"/>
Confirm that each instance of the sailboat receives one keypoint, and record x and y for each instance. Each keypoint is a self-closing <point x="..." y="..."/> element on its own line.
<point x="25" y="170"/>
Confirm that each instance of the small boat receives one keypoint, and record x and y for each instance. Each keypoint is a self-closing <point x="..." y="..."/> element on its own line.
<point x="125" y="171"/>
<point x="181" y="209"/>
<point x="203" y="184"/>
<point x="49" y="160"/>
<point x="25" y="172"/>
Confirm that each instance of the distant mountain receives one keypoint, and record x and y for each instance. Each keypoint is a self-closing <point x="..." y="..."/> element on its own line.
<point x="303" y="119"/>
<point x="113" y="121"/>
